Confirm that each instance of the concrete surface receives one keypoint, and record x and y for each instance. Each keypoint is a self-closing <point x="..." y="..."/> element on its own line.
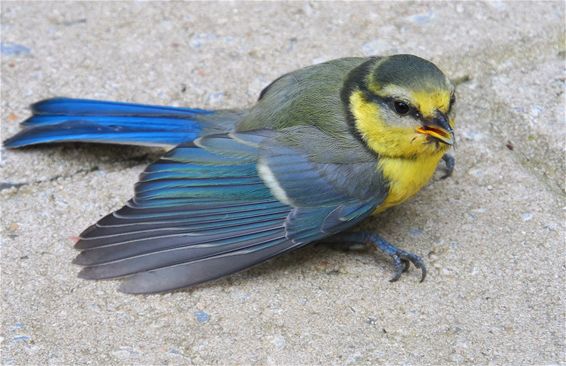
<point x="493" y="235"/>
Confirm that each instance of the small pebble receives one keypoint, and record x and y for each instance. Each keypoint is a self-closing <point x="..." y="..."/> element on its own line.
<point x="21" y="338"/>
<point x="202" y="317"/>
<point x="421" y="19"/>
<point x="279" y="341"/>
<point x="13" y="49"/>
<point x="174" y="351"/>
<point x="527" y="216"/>
<point x="551" y="226"/>
<point x="12" y="117"/>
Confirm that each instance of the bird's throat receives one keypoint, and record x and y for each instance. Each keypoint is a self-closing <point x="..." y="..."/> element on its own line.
<point x="406" y="177"/>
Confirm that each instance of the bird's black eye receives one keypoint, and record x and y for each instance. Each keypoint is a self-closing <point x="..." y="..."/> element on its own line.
<point x="401" y="108"/>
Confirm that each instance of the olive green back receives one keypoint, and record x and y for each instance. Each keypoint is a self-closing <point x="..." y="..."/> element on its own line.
<point x="309" y="96"/>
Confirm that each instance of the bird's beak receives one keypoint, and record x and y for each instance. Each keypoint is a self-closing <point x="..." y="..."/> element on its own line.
<point x="438" y="128"/>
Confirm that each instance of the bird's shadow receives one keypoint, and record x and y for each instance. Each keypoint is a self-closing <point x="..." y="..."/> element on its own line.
<point x="123" y="155"/>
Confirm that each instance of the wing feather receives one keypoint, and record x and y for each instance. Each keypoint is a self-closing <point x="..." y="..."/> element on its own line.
<point x="204" y="211"/>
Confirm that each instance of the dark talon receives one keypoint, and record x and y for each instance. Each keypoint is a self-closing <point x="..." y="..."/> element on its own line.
<point x="418" y="262"/>
<point x="399" y="266"/>
<point x="401" y="259"/>
<point x="450" y="163"/>
<point x="407" y="265"/>
<point x="405" y="259"/>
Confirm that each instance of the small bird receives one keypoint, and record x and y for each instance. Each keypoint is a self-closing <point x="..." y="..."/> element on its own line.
<point x="323" y="148"/>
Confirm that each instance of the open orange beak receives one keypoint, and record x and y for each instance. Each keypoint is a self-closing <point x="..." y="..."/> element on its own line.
<point x="438" y="128"/>
<point x="438" y="133"/>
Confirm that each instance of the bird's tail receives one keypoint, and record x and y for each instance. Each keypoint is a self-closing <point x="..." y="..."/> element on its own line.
<point x="81" y="120"/>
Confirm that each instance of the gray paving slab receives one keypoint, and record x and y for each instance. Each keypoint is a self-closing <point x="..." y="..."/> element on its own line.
<point x="492" y="235"/>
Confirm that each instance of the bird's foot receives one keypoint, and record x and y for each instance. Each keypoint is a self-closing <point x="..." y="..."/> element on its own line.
<point x="450" y="163"/>
<point x="401" y="259"/>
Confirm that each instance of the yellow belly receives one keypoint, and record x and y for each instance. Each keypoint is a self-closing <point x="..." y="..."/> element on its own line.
<point x="406" y="177"/>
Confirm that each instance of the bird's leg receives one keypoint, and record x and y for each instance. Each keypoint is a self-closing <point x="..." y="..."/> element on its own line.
<point x="450" y="163"/>
<point x="401" y="258"/>
<point x="345" y="242"/>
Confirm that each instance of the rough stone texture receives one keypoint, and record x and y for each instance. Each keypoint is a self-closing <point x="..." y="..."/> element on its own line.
<point x="493" y="235"/>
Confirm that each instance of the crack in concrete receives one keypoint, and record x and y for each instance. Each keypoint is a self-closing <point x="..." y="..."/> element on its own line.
<point x="145" y="159"/>
<point x="8" y="185"/>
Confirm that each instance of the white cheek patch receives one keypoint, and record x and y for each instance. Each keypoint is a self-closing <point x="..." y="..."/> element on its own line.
<point x="271" y="182"/>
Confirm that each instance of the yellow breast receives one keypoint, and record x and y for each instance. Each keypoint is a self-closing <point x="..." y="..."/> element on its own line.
<point x="406" y="177"/>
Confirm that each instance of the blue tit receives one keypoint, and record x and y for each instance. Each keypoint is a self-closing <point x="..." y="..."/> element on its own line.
<point x="323" y="148"/>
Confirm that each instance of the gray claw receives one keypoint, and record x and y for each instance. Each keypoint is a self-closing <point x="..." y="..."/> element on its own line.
<point x="402" y="261"/>
<point x="400" y="267"/>
<point x="450" y="164"/>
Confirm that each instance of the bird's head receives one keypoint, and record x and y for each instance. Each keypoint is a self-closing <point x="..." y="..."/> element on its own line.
<point x="401" y="106"/>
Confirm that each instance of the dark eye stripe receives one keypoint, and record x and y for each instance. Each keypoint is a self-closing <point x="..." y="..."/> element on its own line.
<point x="389" y="102"/>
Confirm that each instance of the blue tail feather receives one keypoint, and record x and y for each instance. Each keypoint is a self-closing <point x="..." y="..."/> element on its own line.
<point x="85" y="107"/>
<point x="81" y="120"/>
<point x="104" y="120"/>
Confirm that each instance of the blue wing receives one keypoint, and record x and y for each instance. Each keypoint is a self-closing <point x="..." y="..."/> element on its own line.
<point x="203" y="211"/>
